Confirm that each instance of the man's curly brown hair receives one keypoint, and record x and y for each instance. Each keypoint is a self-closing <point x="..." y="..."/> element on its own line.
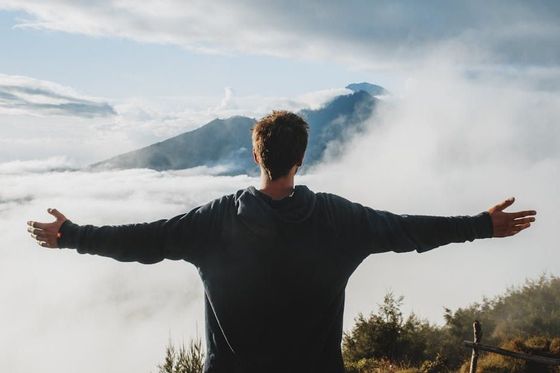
<point x="279" y="141"/>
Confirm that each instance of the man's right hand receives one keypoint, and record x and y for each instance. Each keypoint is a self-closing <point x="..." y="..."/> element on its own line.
<point x="47" y="234"/>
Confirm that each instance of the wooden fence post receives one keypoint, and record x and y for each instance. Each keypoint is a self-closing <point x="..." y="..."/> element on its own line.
<point x="477" y="337"/>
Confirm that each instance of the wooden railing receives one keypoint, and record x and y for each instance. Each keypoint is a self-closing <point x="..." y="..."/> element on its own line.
<point x="477" y="346"/>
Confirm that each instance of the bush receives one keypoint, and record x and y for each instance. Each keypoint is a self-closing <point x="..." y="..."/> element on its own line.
<point x="378" y="366"/>
<point x="184" y="360"/>
<point x="439" y="365"/>
<point x="387" y="336"/>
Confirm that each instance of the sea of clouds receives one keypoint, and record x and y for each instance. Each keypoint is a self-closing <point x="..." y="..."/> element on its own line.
<point x="447" y="143"/>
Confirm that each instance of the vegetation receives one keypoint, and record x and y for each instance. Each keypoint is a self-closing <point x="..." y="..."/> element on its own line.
<point x="524" y="319"/>
<point x="387" y="336"/>
<point x="183" y="360"/>
<point x="493" y="363"/>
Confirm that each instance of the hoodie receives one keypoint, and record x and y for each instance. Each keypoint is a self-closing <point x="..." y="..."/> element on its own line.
<point x="274" y="271"/>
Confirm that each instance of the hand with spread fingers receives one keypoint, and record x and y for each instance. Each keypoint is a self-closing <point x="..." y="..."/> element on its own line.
<point x="507" y="224"/>
<point x="47" y="234"/>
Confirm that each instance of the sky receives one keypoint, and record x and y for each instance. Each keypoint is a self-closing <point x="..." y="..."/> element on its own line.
<point x="472" y="119"/>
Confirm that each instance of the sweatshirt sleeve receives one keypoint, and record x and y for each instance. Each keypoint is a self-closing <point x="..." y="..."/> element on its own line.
<point x="374" y="231"/>
<point x="182" y="237"/>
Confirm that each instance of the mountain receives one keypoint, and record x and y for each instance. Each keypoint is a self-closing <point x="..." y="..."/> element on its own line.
<point x="227" y="142"/>
<point x="372" y="89"/>
<point x="333" y="125"/>
<point x="217" y="142"/>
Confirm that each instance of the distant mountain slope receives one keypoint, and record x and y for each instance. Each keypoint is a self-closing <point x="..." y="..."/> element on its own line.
<point x="219" y="141"/>
<point x="372" y="89"/>
<point x="228" y="141"/>
<point x="336" y="123"/>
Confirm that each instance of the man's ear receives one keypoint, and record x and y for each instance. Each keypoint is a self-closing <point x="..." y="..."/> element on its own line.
<point x="255" y="158"/>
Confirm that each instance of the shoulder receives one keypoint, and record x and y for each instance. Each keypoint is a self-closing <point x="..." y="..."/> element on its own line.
<point x="222" y="203"/>
<point x="332" y="198"/>
<point x="338" y="209"/>
<point x="334" y="201"/>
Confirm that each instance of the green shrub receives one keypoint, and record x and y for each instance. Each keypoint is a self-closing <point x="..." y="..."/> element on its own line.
<point x="388" y="336"/>
<point x="378" y="366"/>
<point x="183" y="360"/>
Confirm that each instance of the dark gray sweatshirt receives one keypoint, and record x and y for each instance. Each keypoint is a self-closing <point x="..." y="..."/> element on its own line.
<point x="274" y="272"/>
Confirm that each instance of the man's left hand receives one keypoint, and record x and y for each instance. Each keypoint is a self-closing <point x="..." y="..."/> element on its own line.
<point x="507" y="224"/>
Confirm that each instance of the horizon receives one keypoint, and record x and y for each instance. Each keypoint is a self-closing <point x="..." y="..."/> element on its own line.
<point x="473" y="118"/>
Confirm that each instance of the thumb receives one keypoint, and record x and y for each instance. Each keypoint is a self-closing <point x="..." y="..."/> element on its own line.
<point x="505" y="204"/>
<point x="54" y="212"/>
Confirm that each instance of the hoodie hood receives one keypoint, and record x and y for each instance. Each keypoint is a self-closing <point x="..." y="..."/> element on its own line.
<point x="263" y="214"/>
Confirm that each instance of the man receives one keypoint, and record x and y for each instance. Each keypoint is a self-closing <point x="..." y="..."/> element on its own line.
<point x="275" y="261"/>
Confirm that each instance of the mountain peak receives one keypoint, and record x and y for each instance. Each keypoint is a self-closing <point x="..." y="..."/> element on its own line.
<point x="372" y="89"/>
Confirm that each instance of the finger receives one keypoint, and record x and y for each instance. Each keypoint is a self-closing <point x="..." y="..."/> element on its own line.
<point x="35" y="230"/>
<point x="39" y="237"/>
<point x="46" y="244"/>
<point x="521" y="214"/>
<point x="517" y="230"/>
<point x="36" y="224"/>
<point x="505" y="204"/>
<point x="56" y="214"/>
<point x="523" y="221"/>
<point x="521" y="226"/>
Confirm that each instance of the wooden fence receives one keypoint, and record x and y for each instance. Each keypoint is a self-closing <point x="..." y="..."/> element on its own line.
<point x="477" y="346"/>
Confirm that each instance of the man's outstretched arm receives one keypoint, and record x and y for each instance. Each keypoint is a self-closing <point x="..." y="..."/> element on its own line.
<point x="374" y="231"/>
<point x="178" y="238"/>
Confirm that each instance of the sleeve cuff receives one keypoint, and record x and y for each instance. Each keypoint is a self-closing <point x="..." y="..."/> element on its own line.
<point x="68" y="235"/>
<point x="483" y="225"/>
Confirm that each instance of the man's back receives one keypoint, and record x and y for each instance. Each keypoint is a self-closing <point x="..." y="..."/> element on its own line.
<point x="274" y="271"/>
<point x="274" y="282"/>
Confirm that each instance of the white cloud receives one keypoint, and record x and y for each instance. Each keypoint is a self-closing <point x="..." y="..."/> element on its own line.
<point x="35" y="166"/>
<point x="456" y="144"/>
<point x="59" y="306"/>
<point x="228" y="100"/>
<point x="369" y="34"/>
<point x="24" y="95"/>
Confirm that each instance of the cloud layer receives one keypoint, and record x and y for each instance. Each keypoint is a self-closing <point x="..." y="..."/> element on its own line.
<point x="42" y="119"/>
<point x="24" y="95"/>
<point x="370" y="34"/>
<point x="87" y="314"/>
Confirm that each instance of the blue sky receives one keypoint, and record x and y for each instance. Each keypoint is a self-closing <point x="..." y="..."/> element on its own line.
<point x="118" y="68"/>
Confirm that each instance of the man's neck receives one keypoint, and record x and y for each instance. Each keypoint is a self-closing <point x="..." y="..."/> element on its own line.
<point x="279" y="188"/>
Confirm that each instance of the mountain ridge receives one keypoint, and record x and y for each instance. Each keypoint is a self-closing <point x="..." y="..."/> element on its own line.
<point x="228" y="141"/>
